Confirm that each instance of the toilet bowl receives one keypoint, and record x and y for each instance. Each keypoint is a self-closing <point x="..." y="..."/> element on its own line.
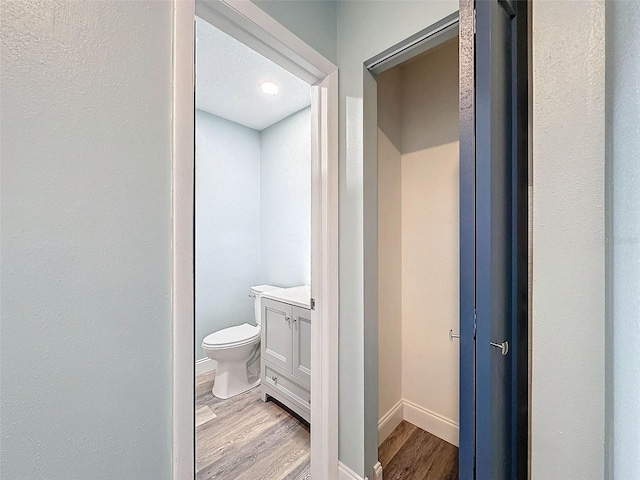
<point x="236" y="351"/>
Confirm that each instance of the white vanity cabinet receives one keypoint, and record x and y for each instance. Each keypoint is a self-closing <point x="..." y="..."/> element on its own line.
<point x="286" y="350"/>
<point x="277" y="344"/>
<point x="302" y="344"/>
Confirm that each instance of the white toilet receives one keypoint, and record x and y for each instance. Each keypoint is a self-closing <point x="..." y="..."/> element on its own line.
<point x="236" y="350"/>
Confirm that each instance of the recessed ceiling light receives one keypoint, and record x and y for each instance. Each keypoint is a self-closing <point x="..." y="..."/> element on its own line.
<point x="269" y="88"/>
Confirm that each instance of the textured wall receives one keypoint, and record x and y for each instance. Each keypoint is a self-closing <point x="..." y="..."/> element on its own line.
<point x="623" y="211"/>
<point x="227" y="223"/>
<point x="568" y="240"/>
<point x="285" y="207"/>
<point x="314" y="21"/>
<point x="86" y="240"/>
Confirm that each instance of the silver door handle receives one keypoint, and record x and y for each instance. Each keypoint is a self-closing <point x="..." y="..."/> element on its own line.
<point x="504" y="347"/>
<point x="453" y="335"/>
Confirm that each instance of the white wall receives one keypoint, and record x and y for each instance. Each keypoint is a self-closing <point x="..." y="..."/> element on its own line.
<point x="285" y="192"/>
<point x="430" y="235"/>
<point x="86" y="239"/>
<point x="228" y="223"/>
<point x="567" y="416"/>
<point x="389" y="241"/>
<point x="364" y="29"/>
<point x="623" y="237"/>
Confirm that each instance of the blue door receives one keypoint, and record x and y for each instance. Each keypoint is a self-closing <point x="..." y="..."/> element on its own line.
<point x="493" y="257"/>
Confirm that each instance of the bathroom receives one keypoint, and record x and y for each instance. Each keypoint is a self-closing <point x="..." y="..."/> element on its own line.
<point x="252" y="262"/>
<point x="418" y="261"/>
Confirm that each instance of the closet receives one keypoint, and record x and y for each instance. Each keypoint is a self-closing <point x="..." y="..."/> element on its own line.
<point x="418" y="244"/>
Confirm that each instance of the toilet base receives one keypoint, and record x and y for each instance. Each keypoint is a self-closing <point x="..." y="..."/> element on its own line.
<point x="232" y="379"/>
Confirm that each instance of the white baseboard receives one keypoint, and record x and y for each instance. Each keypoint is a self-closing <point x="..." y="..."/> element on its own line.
<point x="419" y="416"/>
<point x="390" y="421"/>
<point x="345" y="473"/>
<point x="205" y="365"/>
<point x="431" y="422"/>
<point x="377" y="471"/>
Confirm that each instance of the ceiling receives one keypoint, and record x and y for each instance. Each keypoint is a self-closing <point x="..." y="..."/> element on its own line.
<point x="228" y="75"/>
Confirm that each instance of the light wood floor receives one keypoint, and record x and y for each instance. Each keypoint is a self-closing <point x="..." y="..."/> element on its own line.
<point x="244" y="438"/>
<point x="410" y="453"/>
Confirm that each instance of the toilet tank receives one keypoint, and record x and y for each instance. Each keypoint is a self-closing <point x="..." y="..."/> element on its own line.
<point x="255" y="294"/>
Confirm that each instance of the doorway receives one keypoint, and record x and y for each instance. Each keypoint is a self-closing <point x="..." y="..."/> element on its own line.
<point x="418" y="257"/>
<point x="248" y="24"/>
<point x="489" y="327"/>
<point x="252" y="262"/>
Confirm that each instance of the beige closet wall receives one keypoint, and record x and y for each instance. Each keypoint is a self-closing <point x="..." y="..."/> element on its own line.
<point x="430" y="230"/>
<point x="418" y="234"/>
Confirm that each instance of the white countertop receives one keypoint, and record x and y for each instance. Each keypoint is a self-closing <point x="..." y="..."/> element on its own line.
<point x="298" y="296"/>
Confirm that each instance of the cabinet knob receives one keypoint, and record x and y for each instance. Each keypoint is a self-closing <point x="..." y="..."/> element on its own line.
<point x="275" y="379"/>
<point x="294" y="319"/>
<point x="287" y="319"/>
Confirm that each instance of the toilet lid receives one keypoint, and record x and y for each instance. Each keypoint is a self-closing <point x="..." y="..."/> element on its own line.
<point x="232" y="336"/>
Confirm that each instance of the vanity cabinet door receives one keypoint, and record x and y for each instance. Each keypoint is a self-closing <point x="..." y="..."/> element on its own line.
<point x="302" y="344"/>
<point x="276" y="337"/>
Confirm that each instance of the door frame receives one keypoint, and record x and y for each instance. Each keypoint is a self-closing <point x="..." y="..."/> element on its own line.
<point x="462" y="23"/>
<point x="467" y="419"/>
<point x="422" y="41"/>
<point x="426" y="39"/>
<point x="249" y="24"/>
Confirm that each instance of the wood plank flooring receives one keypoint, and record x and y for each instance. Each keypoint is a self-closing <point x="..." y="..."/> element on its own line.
<point x="410" y="453"/>
<point x="244" y="438"/>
